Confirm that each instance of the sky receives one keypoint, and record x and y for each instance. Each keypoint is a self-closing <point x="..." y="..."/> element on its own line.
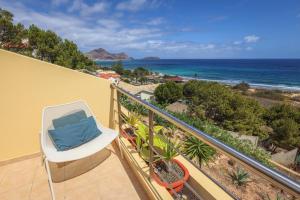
<point x="171" y="28"/>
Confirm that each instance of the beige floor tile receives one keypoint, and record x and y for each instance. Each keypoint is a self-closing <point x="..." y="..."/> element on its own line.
<point x="87" y="192"/>
<point x="28" y="164"/>
<point x="14" y="179"/>
<point x="101" y="176"/>
<point x="40" y="173"/>
<point x="3" y="170"/>
<point x="17" y="194"/>
<point x="113" y="189"/>
<point x="80" y="181"/>
<point x="40" y="190"/>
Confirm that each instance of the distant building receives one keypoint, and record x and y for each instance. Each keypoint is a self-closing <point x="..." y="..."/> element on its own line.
<point x="177" y="107"/>
<point x="23" y="45"/>
<point x="109" y="75"/>
<point x="176" y="79"/>
<point x="145" y="95"/>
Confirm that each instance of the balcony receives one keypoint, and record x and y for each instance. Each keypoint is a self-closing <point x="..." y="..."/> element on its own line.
<point x="117" y="172"/>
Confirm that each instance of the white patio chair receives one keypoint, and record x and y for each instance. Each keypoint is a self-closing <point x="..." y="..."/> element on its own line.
<point x="49" y="151"/>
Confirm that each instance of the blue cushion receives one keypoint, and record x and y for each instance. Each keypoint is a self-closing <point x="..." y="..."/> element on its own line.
<point x="74" y="135"/>
<point x="69" y="119"/>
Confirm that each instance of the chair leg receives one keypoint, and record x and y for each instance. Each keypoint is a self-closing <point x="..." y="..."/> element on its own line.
<point x="49" y="178"/>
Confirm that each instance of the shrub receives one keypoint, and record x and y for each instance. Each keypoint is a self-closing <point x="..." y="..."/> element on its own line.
<point x="168" y="92"/>
<point x="243" y="146"/>
<point x="243" y="86"/>
<point x="240" y="177"/>
<point x="225" y="107"/>
<point x="270" y="94"/>
<point x="284" y="120"/>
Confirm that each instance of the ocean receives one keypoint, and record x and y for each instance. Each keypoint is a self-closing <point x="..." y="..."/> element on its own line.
<point x="281" y="74"/>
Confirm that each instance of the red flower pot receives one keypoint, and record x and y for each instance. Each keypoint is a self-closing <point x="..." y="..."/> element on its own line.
<point x="177" y="185"/>
<point x="128" y="136"/>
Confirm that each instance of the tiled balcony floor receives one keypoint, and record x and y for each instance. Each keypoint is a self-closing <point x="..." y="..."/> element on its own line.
<point x="109" y="178"/>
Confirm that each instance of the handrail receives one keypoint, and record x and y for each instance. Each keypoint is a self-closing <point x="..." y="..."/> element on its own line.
<point x="272" y="175"/>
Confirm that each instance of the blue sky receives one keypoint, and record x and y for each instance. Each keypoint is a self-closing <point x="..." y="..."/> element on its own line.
<point x="171" y="28"/>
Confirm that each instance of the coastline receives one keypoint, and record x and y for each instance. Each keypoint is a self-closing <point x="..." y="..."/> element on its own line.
<point x="281" y="87"/>
<point x="273" y="74"/>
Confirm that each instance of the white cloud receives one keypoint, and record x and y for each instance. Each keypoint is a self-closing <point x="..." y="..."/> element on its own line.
<point x="109" y="23"/>
<point x="85" y="9"/>
<point x="131" y="5"/>
<point x="155" y="21"/>
<point x="114" y="34"/>
<point x="238" y="42"/>
<point x="249" y="48"/>
<point x="59" y="2"/>
<point x="251" y="38"/>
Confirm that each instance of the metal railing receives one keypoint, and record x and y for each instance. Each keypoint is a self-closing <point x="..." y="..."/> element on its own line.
<point x="272" y="175"/>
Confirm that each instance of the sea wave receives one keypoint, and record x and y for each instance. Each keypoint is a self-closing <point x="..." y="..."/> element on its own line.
<point x="254" y="85"/>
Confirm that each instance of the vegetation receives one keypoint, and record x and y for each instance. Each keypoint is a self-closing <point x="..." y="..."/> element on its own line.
<point x="243" y="86"/>
<point x="41" y="44"/>
<point x="270" y="94"/>
<point x="240" y="177"/>
<point x="137" y="75"/>
<point x="285" y="122"/>
<point x="196" y="149"/>
<point x="267" y="197"/>
<point x="168" y="92"/>
<point x="225" y="107"/>
<point x="118" y="67"/>
<point x="168" y="151"/>
<point x="133" y="119"/>
<point x="243" y="146"/>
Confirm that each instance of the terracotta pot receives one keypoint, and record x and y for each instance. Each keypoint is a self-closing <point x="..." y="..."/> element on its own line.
<point x="177" y="185"/>
<point x="131" y="138"/>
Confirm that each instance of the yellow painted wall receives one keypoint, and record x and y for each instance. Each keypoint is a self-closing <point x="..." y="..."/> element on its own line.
<point x="27" y="85"/>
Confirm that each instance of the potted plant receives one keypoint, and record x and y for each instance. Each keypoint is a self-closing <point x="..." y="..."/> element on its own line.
<point x="142" y="135"/>
<point x="131" y="125"/>
<point x="170" y="172"/>
<point x="166" y="153"/>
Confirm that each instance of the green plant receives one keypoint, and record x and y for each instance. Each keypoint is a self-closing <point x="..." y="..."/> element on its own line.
<point x="133" y="119"/>
<point x="42" y="44"/>
<point x="278" y="197"/>
<point x="243" y="86"/>
<point x="168" y="92"/>
<point x="195" y="148"/>
<point x="239" y="177"/>
<point x="225" y="107"/>
<point x="206" y="126"/>
<point x="142" y="134"/>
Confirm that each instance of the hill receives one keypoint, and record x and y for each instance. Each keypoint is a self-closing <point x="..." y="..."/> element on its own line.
<point x="102" y="54"/>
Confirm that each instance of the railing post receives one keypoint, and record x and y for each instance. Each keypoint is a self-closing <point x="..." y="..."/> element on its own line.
<point x="119" y="120"/>
<point x="151" y="170"/>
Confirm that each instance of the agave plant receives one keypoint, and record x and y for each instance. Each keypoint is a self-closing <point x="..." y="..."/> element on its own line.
<point x="196" y="149"/>
<point x="278" y="197"/>
<point x="239" y="177"/>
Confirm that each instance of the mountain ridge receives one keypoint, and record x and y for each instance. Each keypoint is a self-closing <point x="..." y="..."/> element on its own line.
<point x="102" y="54"/>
